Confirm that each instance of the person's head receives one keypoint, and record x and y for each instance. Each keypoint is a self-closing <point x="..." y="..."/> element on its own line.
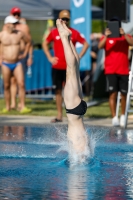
<point x="16" y="12"/>
<point x="10" y="22"/>
<point x="65" y="16"/>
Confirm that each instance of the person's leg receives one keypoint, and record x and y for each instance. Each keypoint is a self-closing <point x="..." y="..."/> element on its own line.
<point x="123" y="84"/>
<point x="113" y="87"/>
<point x="57" y="78"/>
<point x="123" y="107"/>
<point x="24" y="65"/>
<point x="19" y="75"/>
<point x="59" y="101"/>
<point x="72" y="88"/>
<point x="80" y="93"/>
<point x="6" y="72"/>
<point x="112" y="103"/>
<point x="13" y="91"/>
<point x="123" y="103"/>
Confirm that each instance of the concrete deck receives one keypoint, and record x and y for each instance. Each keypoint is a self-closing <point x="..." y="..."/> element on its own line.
<point x="38" y="120"/>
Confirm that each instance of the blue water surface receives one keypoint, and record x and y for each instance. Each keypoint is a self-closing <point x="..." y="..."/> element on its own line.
<point x="34" y="164"/>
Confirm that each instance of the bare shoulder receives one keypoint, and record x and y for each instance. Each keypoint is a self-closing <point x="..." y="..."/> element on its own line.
<point x="23" y="27"/>
<point x="26" y="27"/>
<point x="3" y="32"/>
<point x="20" y="33"/>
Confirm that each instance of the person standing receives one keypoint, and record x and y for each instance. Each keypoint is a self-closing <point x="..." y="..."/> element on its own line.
<point x="27" y="61"/>
<point x="10" y="45"/>
<point x="58" y="60"/>
<point x="116" y="69"/>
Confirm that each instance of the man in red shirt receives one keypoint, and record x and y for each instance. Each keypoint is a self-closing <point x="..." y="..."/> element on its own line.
<point x="58" y="60"/>
<point x="116" y="70"/>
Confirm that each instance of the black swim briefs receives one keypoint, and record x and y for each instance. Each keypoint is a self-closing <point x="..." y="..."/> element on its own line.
<point x="79" y="110"/>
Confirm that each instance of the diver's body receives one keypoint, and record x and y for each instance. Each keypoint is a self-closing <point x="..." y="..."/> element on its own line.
<point x="75" y="106"/>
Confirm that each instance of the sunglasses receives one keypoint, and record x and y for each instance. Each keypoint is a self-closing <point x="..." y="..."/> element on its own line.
<point x="14" y="14"/>
<point x="65" y="19"/>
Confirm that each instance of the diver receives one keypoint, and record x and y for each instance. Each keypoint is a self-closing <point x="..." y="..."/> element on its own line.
<point x="75" y="105"/>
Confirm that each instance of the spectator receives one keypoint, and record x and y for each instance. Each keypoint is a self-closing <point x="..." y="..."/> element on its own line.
<point x="94" y="49"/>
<point x="116" y="69"/>
<point x="10" y="41"/>
<point x="58" y="60"/>
<point x="27" y="61"/>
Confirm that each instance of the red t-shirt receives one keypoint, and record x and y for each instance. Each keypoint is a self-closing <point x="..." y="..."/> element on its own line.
<point x="58" y="47"/>
<point x="116" y="56"/>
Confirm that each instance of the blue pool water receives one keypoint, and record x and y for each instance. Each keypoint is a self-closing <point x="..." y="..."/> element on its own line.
<point x="34" y="166"/>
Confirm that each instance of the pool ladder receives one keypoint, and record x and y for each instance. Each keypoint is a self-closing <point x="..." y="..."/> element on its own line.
<point x="129" y="96"/>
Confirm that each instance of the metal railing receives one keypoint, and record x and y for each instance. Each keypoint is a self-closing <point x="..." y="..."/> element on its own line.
<point x="42" y="93"/>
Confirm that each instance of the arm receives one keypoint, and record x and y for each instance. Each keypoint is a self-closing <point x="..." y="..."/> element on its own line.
<point x="27" y="45"/>
<point x="93" y="54"/>
<point x="103" y="41"/>
<point x="51" y="59"/>
<point x="81" y="39"/>
<point x="26" y="31"/>
<point x="84" y="49"/>
<point x="128" y="39"/>
<point x="30" y="51"/>
<point x="30" y="55"/>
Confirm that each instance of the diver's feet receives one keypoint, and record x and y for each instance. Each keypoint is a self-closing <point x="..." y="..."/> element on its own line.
<point x="62" y="28"/>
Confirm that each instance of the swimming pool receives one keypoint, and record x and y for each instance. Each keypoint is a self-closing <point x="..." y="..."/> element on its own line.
<point x="33" y="164"/>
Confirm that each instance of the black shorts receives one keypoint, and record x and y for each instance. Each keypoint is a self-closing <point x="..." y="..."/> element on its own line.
<point x="59" y="78"/>
<point x="116" y="82"/>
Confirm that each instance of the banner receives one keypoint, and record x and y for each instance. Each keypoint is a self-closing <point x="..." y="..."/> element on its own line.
<point x="81" y="21"/>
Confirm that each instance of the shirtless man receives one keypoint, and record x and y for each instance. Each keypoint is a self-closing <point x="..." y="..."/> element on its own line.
<point x="75" y="106"/>
<point x="22" y="26"/>
<point x="27" y="61"/>
<point x="10" y="43"/>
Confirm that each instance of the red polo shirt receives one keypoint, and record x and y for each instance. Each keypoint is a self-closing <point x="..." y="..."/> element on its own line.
<point x="116" y="56"/>
<point x="58" y="47"/>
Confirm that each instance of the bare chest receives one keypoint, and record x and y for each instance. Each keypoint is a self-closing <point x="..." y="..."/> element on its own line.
<point x="10" y="39"/>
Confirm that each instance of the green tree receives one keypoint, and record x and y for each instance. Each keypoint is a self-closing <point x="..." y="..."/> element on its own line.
<point x="99" y="3"/>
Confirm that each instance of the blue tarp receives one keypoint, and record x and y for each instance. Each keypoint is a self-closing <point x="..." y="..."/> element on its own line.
<point x="41" y="73"/>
